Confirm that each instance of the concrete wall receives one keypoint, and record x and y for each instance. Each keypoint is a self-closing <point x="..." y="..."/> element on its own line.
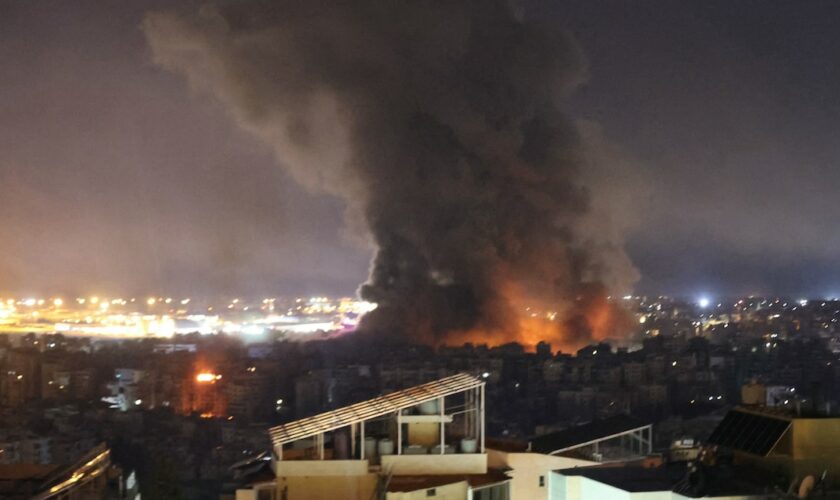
<point x="321" y="467"/>
<point x="581" y="488"/>
<point x="816" y="438"/>
<point x="562" y="487"/>
<point x="323" y="479"/>
<point x="454" y="491"/>
<point x="246" y="495"/>
<point x="460" y="463"/>
<point x="591" y="489"/>
<point x="808" y="448"/>
<point x="527" y="469"/>
<point x="327" y="487"/>
<point x="258" y="492"/>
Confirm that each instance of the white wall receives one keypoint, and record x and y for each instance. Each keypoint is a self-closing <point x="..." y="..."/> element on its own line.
<point x="454" y="491"/>
<point x="527" y="469"/>
<point x="582" y="488"/>
<point x="320" y="467"/>
<point x="459" y="463"/>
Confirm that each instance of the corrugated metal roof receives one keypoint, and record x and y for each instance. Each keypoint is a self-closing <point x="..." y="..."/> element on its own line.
<point x="373" y="408"/>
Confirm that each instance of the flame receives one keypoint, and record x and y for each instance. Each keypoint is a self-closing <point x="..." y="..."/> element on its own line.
<point x="205" y="377"/>
<point x="567" y="326"/>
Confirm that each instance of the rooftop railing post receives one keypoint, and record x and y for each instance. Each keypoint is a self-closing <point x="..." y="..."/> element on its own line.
<point x="362" y="440"/>
<point x="481" y="410"/>
<point x="650" y="439"/>
<point x="399" y="432"/>
<point x="352" y="439"/>
<point x="468" y="406"/>
<point x="442" y="430"/>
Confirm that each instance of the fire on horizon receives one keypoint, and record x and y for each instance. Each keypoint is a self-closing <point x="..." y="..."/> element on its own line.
<point x="517" y="158"/>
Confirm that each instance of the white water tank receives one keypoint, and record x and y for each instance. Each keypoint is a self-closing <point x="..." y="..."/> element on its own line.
<point x="370" y="448"/>
<point x="415" y="449"/>
<point x="428" y="407"/>
<point x="386" y="447"/>
<point x="469" y="445"/>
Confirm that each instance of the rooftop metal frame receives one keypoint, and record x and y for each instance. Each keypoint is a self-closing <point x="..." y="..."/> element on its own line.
<point x="750" y="432"/>
<point x="377" y="407"/>
<point x="642" y="435"/>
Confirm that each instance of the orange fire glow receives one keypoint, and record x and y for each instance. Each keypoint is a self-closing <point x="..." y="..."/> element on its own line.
<point x="568" y="327"/>
<point x="207" y="377"/>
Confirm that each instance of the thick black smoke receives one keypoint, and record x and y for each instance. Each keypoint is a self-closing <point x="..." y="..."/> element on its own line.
<point x="438" y="122"/>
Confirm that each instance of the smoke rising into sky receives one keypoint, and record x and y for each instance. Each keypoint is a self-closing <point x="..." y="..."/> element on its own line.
<point x="439" y="125"/>
<point x="116" y="177"/>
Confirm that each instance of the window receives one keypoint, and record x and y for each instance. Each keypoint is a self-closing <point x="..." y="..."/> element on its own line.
<point x="431" y="493"/>
<point x="542" y="481"/>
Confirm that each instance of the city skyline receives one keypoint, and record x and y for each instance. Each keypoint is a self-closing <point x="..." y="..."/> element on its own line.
<point x="393" y="250"/>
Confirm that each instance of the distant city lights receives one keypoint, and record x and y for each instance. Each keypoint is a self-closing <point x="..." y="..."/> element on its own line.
<point x="98" y="316"/>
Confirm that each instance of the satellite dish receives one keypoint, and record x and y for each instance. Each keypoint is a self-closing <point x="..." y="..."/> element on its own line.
<point x="807" y="486"/>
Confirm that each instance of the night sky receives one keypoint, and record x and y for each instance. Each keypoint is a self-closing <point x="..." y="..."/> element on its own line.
<point x="117" y="177"/>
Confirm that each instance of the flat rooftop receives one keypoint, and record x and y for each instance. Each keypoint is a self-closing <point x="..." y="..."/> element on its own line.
<point x="722" y="480"/>
<point x="414" y="483"/>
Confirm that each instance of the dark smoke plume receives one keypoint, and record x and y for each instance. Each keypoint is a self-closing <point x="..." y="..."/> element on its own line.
<point x="438" y="122"/>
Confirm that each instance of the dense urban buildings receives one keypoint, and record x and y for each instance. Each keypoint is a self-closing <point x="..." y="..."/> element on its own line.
<point x="401" y="250"/>
<point x="192" y="415"/>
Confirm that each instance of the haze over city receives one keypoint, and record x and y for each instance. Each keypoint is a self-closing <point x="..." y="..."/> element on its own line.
<point x="395" y="250"/>
<point x="118" y="177"/>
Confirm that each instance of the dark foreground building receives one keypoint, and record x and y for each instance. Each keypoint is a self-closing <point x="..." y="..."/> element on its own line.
<point x="91" y="477"/>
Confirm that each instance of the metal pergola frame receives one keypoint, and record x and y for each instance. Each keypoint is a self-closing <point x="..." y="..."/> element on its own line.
<point x="389" y="404"/>
<point x="638" y="434"/>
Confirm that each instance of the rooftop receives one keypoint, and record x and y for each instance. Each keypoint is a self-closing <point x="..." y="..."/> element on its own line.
<point x="414" y="483"/>
<point x="750" y="432"/>
<point x="373" y="408"/>
<point x="704" y="481"/>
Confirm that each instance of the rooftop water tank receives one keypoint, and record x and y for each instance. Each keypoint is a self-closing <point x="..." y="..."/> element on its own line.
<point x="386" y="447"/>
<point x="469" y="445"/>
<point x="370" y="448"/>
<point x="428" y="407"/>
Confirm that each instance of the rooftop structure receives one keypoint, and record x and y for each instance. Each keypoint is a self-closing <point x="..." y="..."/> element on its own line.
<point x="426" y="440"/>
<point x="377" y="407"/>
<point x="754" y="453"/>
<point x="530" y="464"/>
<point x="781" y="440"/>
<point x="750" y="432"/>
<point x="633" y="437"/>
<point x="674" y="481"/>
<point x="85" y="478"/>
